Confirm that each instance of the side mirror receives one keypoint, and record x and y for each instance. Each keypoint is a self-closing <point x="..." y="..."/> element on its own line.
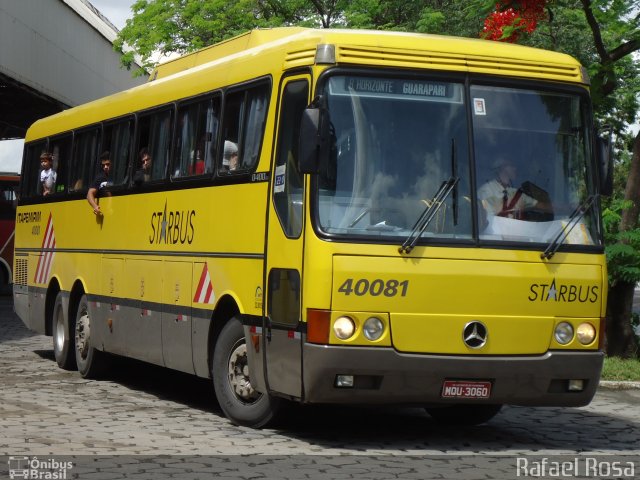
<point x="314" y="139"/>
<point x="309" y="145"/>
<point x="604" y="149"/>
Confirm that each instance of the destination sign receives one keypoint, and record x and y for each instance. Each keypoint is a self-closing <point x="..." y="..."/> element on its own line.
<point x="396" y="88"/>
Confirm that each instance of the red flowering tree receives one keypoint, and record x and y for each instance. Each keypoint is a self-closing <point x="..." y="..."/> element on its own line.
<point x="512" y="17"/>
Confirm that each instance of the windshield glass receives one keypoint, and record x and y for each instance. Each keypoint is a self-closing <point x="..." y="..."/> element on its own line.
<point x="532" y="157"/>
<point x="397" y="140"/>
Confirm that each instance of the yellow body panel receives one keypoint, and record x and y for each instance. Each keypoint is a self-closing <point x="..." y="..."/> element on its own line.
<point x="449" y="287"/>
<point x="471" y="287"/>
<point x="197" y="223"/>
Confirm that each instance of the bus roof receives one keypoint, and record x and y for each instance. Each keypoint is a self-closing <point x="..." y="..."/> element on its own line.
<point x="264" y="52"/>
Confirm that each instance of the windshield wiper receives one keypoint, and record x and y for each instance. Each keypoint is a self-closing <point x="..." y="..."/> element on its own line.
<point x="428" y="214"/>
<point x="564" y="232"/>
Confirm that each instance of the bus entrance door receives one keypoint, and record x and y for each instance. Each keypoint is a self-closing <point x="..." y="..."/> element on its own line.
<point x="282" y="323"/>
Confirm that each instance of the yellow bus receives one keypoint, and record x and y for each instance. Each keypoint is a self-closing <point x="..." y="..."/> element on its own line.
<point x="329" y="217"/>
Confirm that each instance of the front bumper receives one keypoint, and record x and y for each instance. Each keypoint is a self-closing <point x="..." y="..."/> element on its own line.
<point x="385" y="376"/>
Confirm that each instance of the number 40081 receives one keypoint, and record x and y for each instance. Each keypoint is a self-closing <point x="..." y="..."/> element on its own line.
<point x="375" y="288"/>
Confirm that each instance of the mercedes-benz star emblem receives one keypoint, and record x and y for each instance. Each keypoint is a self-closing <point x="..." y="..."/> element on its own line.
<point x="475" y="334"/>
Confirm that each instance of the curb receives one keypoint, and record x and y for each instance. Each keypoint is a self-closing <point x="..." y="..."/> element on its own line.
<point x="618" y="385"/>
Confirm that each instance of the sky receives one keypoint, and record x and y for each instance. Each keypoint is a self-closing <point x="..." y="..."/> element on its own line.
<point x="117" y="11"/>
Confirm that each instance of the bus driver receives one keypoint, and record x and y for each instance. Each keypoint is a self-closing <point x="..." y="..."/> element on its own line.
<point x="499" y="196"/>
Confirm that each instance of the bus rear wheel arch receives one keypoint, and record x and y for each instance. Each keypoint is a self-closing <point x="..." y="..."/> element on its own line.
<point x="240" y="402"/>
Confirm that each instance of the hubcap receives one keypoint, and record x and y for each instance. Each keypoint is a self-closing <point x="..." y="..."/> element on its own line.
<point x="59" y="335"/>
<point x="239" y="374"/>
<point x="83" y="330"/>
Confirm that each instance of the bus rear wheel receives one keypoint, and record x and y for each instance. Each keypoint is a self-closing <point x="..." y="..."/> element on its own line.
<point x="63" y="341"/>
<point x="240" y="402"/>
<point x="463" y="414"/>
<point x="91" y="361"/>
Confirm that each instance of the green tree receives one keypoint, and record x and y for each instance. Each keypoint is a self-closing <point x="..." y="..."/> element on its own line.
<point x="449" y="17"/>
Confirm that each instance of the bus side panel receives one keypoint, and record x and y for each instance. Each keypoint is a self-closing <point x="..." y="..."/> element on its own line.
<point x="200" y="342"/>
<point x="37" y="299"/>
<point x="176" y="316"/>
<point x="143" y="330"/>
<point x="108" y="333"/>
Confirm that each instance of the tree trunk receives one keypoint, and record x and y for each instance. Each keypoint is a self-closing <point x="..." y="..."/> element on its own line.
<point x="632" y="191"/>
<point x="620" y="336"/>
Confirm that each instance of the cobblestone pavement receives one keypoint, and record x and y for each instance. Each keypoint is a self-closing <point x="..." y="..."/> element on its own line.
<point x="145" y="419"/>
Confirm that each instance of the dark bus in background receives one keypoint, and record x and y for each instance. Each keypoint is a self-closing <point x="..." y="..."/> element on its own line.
<point x="8" y="199"/>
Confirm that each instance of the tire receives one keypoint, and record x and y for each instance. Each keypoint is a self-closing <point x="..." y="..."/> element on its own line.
<point x="239" y="401"/>
<point x="463" y="414"/>
<point x="63" y="341"/>
<point x="91" y="361"/>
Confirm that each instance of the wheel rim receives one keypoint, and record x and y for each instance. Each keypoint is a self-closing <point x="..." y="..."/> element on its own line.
<point x="60" y="333"/>
<point x="83" y="331"/>
<point x="238" y="374"/>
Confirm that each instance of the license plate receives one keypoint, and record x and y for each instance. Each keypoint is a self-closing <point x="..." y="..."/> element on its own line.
<point x="465" y="389"/>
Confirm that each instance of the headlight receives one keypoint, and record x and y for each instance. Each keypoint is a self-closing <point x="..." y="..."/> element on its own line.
<point x="344" y="327"/>
<point x="563" y="333"/>
<point x="586" y="333"/>
<point x="373" y="328"/>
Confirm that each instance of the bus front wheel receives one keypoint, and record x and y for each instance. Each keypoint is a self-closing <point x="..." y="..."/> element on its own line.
<point x="63" y="340"/>
<point x="91" y="361"/>
<point x="463" y="414"/>
<point x="240" y="402"/>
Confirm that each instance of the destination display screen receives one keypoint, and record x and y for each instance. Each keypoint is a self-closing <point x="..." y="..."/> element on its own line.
<point x="397" y="88"/>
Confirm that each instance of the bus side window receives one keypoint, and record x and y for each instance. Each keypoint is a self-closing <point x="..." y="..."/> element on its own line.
<point x="243" y="124"/>
<point x="117" y="141"/>
<point x="195" y="138"/>
<point x="7" y="204"/>
<point x="154" y="134"/>
<point x="84" y="160"/>
<point x="60" y="148"/>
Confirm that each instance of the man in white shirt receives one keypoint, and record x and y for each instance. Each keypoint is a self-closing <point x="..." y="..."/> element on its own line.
<point x="499" y="196"/>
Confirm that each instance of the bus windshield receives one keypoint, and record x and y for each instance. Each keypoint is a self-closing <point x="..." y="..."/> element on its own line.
<point x="398" y="140"/>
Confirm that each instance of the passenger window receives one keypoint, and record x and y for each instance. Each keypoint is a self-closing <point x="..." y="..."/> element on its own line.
<point x="60" y="149"/>
<point x="243" y="128"/>
<point x="288" y="184"/>
<point x="196" y="135"/>
<point x="85" y="156"/>
<point x="117" y="140"/>
<point x="32" y="186"/>
<point x="154" y="137"/>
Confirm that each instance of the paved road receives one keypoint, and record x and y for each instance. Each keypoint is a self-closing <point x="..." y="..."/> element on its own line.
<point x="147" y="422"/>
